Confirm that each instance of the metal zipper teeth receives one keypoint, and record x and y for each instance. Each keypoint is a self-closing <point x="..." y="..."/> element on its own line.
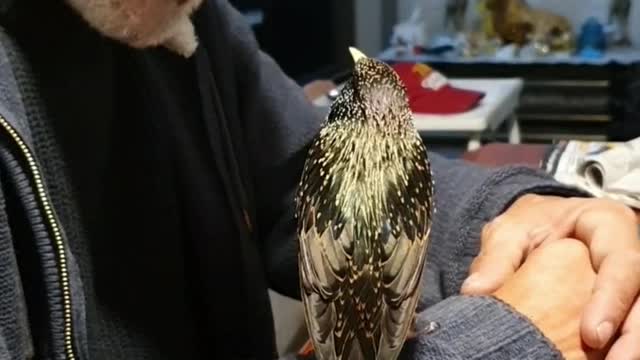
<point x="57" y="235"/>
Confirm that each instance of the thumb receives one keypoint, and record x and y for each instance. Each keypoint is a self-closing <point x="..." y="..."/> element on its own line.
<point x="493" y="267"/>
<point x="504" y="246"/>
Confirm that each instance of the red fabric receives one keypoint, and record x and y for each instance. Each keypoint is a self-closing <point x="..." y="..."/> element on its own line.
<point x="446" y="100"/>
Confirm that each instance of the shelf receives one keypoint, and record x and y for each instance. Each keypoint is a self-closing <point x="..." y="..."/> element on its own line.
<point x="620" y="55"/>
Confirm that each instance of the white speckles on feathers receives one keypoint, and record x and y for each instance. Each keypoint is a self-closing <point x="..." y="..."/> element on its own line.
<point x="370" y="164"/>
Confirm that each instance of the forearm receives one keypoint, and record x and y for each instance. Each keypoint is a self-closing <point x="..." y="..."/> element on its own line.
<point x="467" y="197"/>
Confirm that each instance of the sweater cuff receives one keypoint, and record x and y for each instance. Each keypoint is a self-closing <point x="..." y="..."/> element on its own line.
<point x="478" y="328"/>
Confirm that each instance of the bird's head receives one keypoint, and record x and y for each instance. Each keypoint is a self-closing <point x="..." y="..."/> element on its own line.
<point x="375" y="93"/>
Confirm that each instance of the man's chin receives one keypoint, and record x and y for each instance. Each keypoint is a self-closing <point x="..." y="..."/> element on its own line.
<point x="143" y="23"/>
<point x="179" y="37"/>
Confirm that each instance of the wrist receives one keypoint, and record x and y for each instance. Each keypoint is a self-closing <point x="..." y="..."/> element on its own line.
<point x="479" y="327"/>
<point x="560" y="328"/>
<point x="551" y="290"/>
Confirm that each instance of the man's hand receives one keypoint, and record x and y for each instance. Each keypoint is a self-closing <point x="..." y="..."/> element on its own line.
<point x="607" y="228"/>
<point x="552" y="289"/>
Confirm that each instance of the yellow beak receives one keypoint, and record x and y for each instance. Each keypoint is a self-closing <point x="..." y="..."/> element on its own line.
<point x="356" y="54"/>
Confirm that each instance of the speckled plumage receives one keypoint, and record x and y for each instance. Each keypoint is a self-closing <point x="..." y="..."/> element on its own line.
<point x="364" y="209"/>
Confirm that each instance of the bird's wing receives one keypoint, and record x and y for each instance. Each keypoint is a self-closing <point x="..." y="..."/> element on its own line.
<point x="404" y="242"/>
<point x="324" y="249"/>
<point x="332" y="290"/>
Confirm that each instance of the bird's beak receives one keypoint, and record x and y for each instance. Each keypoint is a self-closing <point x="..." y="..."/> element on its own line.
<point x="356" y="54"/>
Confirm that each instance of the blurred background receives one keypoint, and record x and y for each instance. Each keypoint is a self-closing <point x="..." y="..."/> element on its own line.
<point x="569" y="91"/>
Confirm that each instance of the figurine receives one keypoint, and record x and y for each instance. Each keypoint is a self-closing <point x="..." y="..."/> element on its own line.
<point x="516" y="22"/>
<point x="592" y="40"/>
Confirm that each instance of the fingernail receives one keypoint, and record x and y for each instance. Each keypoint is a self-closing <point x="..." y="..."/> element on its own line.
<point x="473" y="281"/>
<point x="605" y="332"/>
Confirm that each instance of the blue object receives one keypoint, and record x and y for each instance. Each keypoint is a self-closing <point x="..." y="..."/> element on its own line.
<point x="592" y="41"/>
<point x="590" y="53"/>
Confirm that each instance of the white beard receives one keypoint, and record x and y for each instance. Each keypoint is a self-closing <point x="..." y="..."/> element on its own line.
<point x="143" y="23"/>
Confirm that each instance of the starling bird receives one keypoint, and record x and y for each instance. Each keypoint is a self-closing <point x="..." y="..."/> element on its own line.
<point x="364" y="209"/>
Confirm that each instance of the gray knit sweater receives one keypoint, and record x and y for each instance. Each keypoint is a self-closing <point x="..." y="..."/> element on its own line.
<point x="280" y="123"/>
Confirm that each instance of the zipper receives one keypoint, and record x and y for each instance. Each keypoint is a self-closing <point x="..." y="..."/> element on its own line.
<point x="54" y="228"/>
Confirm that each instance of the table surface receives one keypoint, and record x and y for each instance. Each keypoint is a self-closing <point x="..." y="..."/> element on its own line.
<point x="500" y="154"/>
<point x="500" y="101"/>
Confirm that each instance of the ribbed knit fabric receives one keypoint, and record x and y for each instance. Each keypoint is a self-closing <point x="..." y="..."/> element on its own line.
<point x="479" y="328"/>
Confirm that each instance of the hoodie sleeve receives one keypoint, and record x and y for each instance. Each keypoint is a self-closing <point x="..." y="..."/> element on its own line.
<point x="478" y="328"/>
<point x="282" y="123"/>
